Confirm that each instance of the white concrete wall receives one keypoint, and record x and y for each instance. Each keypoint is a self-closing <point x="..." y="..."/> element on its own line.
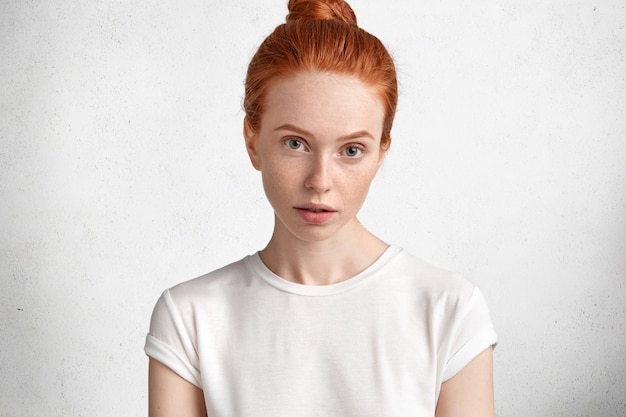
<point x="123" y="172"/>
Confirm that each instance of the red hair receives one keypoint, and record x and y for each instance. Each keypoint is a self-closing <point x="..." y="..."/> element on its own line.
<point x="321" y="36"/>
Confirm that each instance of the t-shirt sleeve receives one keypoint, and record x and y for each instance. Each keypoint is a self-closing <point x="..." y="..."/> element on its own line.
<point x="472" y="333"/>
<point x="169" y="341"/>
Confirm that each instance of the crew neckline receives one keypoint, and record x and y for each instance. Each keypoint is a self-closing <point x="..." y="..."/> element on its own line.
<point x="257" y="265"/>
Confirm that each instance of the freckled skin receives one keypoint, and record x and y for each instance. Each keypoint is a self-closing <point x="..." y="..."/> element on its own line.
<point x="319" y="143"/>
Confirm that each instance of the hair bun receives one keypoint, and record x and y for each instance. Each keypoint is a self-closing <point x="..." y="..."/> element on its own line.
<point x="321" y="10"/>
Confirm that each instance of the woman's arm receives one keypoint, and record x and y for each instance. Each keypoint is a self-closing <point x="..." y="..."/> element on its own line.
<point x="170" y="395"/>
<point x="470" y="392"/>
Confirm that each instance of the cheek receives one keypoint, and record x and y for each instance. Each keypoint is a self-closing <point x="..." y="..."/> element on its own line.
<point x="276" y="181"/>
<point x="356" y="186"/>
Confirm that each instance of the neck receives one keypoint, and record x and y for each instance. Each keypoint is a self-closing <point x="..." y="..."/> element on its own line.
<point x="323" y="262"/>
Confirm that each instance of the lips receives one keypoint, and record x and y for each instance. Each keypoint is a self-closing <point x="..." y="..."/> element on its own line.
<point x="315" y="213"/>
<point x="315" y="207"/>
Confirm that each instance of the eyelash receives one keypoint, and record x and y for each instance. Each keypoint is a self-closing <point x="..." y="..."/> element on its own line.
<point x="299" y="144"/>
<point x="359" y="149"/>
<point x="290" y="141"/>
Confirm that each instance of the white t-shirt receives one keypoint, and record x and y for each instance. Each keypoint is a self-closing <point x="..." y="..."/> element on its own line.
<point x="378" y="344"/>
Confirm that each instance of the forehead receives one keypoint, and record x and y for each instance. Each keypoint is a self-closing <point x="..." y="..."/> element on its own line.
<point x="324" y="103"/>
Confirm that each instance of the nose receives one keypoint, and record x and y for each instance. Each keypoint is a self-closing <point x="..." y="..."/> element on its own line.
<point x="319" y="177"/>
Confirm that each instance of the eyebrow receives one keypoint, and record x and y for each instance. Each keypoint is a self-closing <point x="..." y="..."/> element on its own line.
<point x="304" y="132"/>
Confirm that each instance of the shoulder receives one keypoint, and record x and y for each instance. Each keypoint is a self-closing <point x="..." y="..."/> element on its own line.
<point x="458" y="316"/>
<point x="213" y="286"/>
<point x="428" y="278"/>
<point x="209" y="295"/>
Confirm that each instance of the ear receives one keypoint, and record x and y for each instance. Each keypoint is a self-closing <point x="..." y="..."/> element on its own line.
<point x="251" y="144"/>
<point x="384" y="149"/>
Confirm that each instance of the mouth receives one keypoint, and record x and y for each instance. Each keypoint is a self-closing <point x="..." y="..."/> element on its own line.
<point x="315" y="213"/>
<point x="316" y="208"/>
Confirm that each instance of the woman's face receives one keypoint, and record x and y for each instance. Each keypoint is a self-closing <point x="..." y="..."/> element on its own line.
<point x="318" y="149"/>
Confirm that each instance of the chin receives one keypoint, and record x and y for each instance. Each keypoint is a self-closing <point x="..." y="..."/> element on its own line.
<point x="314" y="233"/>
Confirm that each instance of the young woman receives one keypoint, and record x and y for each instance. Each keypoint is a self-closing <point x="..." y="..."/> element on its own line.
<point x="327" y="319"/>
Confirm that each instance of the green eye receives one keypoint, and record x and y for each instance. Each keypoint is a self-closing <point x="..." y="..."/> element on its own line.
<point x="353" y="151"/>
<point x="294" y="144"/>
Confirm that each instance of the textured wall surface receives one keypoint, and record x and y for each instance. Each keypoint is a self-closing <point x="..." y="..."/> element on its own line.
<point x="123" y="172"/>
